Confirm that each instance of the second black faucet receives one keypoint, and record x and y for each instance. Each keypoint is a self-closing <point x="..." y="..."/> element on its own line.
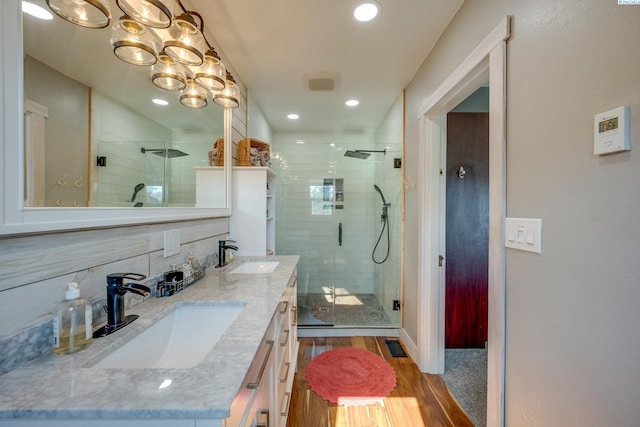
<point x="222" y="248"/>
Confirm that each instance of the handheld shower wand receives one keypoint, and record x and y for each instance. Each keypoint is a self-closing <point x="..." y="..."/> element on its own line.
<point x="385" y="205"/>
<point x="385" y="224"/>
<point x="136" y="189"/>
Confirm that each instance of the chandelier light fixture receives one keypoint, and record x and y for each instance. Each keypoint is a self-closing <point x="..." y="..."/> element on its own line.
<point x="228" y="97"/>
<point x="193" y="96"/>
<point x="186" y="43"/>
<point x="211" y="75"/>
<point x="168" y="74"/>
<point x="167" y="37"/>
<point x="152" y="13"/>
<point x="133" y="43"/>
<point x="85" y="13"/>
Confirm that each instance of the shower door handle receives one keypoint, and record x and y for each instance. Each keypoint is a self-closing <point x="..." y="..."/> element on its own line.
<point x="340" y="234"/>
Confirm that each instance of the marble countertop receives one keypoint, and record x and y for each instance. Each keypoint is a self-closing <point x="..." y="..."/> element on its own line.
<point x="61" y="387"/>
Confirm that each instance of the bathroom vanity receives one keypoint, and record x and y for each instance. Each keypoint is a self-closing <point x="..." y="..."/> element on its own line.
<point x="245" y="379"/>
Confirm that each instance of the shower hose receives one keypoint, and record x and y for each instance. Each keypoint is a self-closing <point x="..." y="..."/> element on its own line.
<point x="385" y="224"/>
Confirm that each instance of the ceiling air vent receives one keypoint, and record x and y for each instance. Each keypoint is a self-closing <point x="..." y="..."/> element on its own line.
<point x="321" y="81"/>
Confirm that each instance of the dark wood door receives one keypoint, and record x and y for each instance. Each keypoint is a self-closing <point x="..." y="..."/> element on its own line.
<point x="467" y="230"/>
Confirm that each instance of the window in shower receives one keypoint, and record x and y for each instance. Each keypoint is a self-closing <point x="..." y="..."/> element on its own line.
<point x="324" y="198"/>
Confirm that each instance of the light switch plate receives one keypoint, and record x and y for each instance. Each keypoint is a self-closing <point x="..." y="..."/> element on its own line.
<point x="524" y="234"/>
<point x="171" y="243"/>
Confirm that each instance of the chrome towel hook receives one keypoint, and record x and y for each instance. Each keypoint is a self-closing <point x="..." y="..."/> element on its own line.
<point x="461" y="172"/>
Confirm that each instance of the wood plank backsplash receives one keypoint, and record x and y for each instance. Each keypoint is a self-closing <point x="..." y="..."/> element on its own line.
<point x="34" y="270"/>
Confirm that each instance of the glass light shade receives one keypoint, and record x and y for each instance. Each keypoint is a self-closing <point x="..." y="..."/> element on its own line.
<point x="193" y="96"/>
<point x="152" y="13"/>
<point x="167" y="74"/>
<point x="228" y="97"/>
<point x="133" y="43"/>
<point x="186" y="44"/>
<point x="85" y="13"/>
<point x="211" y="74"/>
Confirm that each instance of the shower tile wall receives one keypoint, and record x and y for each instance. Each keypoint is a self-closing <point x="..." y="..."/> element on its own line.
<point x="113" y="122"/>
<point x="313" y="236"/>
<point x="182" y="178"/>
<point x="120" y="133"/>
<point x="389" y="134"/>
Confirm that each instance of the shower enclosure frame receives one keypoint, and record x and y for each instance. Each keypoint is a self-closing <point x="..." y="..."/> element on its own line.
<point x="341" y="233"/>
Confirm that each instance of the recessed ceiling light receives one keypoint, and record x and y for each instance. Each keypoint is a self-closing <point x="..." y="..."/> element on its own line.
<point x="300" y="141"/>
<point x="352" y="103"/>
<point x="159" y="101"/>
<point x="293" y="116"/>
<point x="366" y="11"/>
<point x="36" y="11"/>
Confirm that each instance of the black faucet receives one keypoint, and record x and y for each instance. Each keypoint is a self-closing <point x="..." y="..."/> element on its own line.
<point x="116" y="288"/>
<point x="222" y="247"/>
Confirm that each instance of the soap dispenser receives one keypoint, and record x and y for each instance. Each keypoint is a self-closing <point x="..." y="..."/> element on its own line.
<point x="72" y="323"/>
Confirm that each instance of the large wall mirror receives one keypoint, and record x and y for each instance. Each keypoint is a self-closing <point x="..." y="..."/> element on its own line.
<point x="96" y="150"/>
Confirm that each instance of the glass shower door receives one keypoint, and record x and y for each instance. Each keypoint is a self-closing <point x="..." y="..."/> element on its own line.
<point x="328" y="212"/>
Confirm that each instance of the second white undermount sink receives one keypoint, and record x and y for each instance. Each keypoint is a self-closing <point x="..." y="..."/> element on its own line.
<point x="255" y="267"/>
<point x="180" y="339"/>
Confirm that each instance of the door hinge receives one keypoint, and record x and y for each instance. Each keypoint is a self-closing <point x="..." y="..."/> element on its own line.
<point x="440" y="260"/>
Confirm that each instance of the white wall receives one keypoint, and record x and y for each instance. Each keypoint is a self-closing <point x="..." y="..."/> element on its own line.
<point x="572" y="312"/>
<point x="258" y="126"/>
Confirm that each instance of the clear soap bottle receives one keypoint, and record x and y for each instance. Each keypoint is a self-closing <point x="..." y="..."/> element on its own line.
<point x="72" y="323"/>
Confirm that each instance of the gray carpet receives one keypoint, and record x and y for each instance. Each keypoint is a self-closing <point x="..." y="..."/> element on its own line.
<point x="465" y="374"/>
<point x="350" y="310"/>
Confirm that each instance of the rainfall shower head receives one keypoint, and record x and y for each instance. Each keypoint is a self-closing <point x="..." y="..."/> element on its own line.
<point x="356" y="154"/>
<point x="164" y="152"/>
<point x="362" y="154"/>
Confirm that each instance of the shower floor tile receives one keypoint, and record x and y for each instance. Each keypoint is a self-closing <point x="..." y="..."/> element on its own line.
<point x="353" y="310"/>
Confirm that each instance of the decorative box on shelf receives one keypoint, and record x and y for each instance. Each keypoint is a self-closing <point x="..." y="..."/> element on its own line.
<point x="253" y="152"/>
<point x="216" y="156"/>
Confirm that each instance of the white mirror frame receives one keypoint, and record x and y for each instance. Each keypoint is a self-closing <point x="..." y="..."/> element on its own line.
<point x="14" y="217"/>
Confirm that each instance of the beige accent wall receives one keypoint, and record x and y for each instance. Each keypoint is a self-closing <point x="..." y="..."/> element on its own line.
<point x="572" y="312"/>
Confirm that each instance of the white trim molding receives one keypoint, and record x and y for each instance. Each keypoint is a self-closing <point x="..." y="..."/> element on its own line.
<point x="487" y="62"/>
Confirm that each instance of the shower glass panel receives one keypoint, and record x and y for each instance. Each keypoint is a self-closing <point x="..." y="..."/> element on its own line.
<point x="330" y="214"/>
<point x="147" y="173"/>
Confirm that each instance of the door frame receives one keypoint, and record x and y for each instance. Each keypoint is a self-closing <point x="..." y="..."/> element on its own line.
<point x="487" y="62"/>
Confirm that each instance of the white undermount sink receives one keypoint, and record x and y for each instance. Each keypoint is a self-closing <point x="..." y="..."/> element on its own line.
<point x="255" y="267"/>
<point x="180" y="339"/>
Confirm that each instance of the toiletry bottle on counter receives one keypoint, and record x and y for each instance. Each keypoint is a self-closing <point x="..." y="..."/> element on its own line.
<point x="72" y="323"/>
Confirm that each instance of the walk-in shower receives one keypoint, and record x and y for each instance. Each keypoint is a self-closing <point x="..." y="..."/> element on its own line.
<point x="148" y="174"/>
<point x="328" y="213"/>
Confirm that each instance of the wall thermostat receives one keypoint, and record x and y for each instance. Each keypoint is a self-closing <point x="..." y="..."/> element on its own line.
<point x="612" y="131"/>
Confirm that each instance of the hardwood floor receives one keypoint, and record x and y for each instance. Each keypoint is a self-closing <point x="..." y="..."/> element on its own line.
<point x="419" y="400"/>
